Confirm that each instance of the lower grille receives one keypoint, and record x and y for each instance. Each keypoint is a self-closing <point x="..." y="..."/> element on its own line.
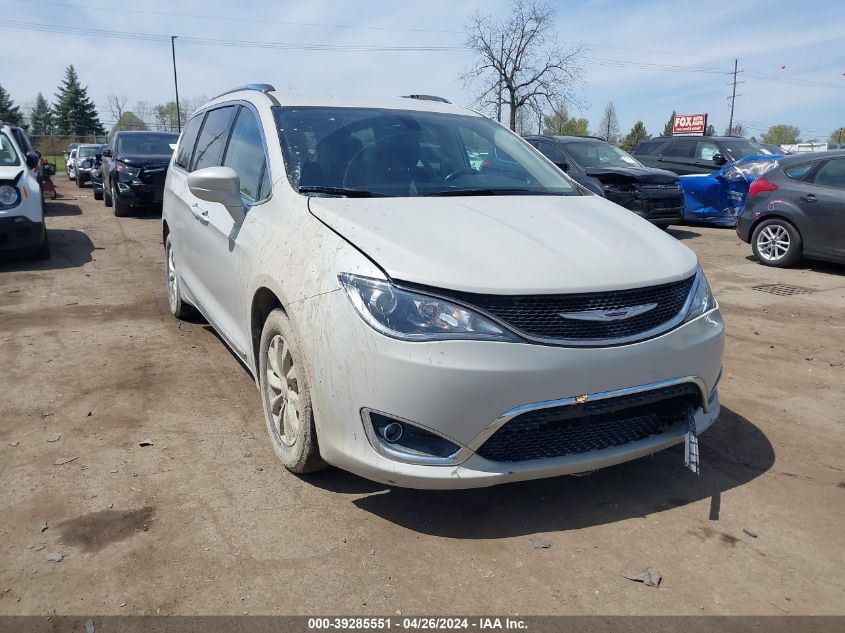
<point x="593" y="426"/>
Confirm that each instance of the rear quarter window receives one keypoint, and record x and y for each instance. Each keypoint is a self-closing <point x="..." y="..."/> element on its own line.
<point x="797" y="172"/>
<point x="680" y="149"/>
<point x="645" y="149"/>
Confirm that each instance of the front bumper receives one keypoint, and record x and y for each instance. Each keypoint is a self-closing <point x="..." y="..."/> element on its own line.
<point x="137" y="193"/>
<point x="658" y="208"/>
<point x="463" y="389"/>
<point x="19" y="235"/>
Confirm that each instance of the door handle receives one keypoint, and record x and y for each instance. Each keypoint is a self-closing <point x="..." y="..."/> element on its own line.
<point x="809" y="198"/>
<point x="199" y="214"/>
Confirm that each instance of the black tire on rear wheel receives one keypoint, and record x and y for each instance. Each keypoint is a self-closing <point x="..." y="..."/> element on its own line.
<point x="296" y="445"/>
<point x="777" y="243"/>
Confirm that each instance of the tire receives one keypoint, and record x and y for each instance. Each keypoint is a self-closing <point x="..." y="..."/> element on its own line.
<point x="294" y="438"/>
<point x="777" y="243"/>
<point x="106" y="195"/>
<point x="98" y="195"/>
<point x="178" y="306"/>
<point x="79" y="181"/>
<point x="121" y="209"/>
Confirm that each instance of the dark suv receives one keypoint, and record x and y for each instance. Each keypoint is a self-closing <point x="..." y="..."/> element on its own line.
<point x="653" y="194"/>
<point x="695" y="154"/>
<point x="134" y="167"/>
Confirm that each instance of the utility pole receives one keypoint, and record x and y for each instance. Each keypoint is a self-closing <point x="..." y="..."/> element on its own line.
<point x="176" y="83"/>
<point x="733" y="99"/>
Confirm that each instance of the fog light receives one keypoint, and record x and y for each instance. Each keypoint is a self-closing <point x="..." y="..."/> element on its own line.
<point x="391" y="432"/>
<point x="399" y="439"/>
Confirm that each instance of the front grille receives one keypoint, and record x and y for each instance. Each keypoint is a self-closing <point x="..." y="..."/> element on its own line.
<point x="581" y="428"/>
<point x="154" y="176"/>
<point x="539" y="315"/>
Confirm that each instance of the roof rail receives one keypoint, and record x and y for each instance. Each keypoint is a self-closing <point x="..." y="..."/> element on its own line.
<point x="265" y="88"/>
<point x="427" y="98"/>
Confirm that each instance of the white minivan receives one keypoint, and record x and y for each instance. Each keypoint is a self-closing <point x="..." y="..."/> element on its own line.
<point x="424" y="318"/>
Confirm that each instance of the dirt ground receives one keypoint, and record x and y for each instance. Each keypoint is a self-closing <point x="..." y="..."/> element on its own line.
<point x="205" y="521"/>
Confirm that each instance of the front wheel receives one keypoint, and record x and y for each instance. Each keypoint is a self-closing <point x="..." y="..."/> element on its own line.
<point x="121" y="209"/>
<point x="286" y="396"/>
<point x="106" y="195"/>
<point x="178" y="306"/>
<point x="776" y="243"/>
<point x="78" y="181"/>
<point x="98" y="194"/>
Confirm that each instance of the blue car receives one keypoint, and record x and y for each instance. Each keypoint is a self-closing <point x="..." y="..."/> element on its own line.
<point x="718" y="198"/>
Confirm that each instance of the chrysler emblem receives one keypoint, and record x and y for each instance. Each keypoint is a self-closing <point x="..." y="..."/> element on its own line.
<point x="616" y="314"/>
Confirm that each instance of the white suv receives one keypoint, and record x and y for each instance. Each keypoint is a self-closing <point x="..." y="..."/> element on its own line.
<point x="427" y="301"/>
<point x="22" y="228"/>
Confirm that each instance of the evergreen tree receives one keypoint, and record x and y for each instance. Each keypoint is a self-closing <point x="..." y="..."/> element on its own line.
<point x="41" y="118"/>
<point x="560" y="123"/>
<point x="667" y="129"/>
<point x="9" y="112"/>
<point x="74" y="113"/>
<point x="638" y="133"/>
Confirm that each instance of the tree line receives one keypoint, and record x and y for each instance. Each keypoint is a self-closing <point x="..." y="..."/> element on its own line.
<point x="74" y="115"/>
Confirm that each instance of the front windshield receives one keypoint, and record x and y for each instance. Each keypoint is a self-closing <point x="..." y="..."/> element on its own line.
<point x="409" y="153"/>
<point x="8" y="155"/>
<point x="88" y="152"/>
<point x="588" y="154"/>
<point x="741" y="148"/>
<point x="146" y="144"/>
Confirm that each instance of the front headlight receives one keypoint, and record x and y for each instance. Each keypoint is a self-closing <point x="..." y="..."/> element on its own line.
<point x="702" y="299"/>
<point x="413" y="316"/>
<point x="126" y="170"/>
<point x="9" y="196"/>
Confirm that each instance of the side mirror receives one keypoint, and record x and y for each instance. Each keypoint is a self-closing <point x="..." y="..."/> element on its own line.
<point x="563" y="166"/>
<point x="31" y="160"/>
<point x="719" y="159"/>
<point x="107" y="153"/>
<point x="221" y="185"/>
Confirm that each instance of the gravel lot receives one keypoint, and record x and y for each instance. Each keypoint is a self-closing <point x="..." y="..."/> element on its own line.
<point x="205" y="521"/>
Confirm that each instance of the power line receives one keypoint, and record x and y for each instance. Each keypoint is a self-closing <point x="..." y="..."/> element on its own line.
<point x="229" y="18"/>
<point x="206" y="41"/>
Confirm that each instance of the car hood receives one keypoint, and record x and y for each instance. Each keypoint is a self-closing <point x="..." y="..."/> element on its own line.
<point x="144" y="160"/>
<point x="614" y="175"/>
<point x="509" y="244"/>
<point x="11" y="172"/>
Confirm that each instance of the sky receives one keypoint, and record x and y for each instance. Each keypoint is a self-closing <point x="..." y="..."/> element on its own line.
<point x="647" y="56"/>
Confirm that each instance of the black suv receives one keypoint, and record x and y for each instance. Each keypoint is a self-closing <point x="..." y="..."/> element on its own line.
<point x="695" y="154"/>
<point x="134" y="168"/>
<point x="653" y="194"/>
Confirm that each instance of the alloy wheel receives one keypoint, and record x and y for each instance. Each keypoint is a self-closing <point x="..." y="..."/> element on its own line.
<point x="172" y="283"/>
<point x="283" y="390"/>
<point x="773" y="242"/>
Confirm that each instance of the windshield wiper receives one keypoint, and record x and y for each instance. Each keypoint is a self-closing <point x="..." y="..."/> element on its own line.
<point x="516" y="191"/>
<point x="343" y="191"/>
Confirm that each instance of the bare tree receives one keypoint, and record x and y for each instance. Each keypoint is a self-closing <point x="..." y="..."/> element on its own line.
<point x="117" y="103"/>
<point x="609" y="125"/>
<point x="519" y="63"/>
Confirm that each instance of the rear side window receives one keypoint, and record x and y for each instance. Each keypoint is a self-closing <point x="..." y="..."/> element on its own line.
<point x="680" y="149"/>
<point x="799" y="171"/>
<point x="646" y="148"/>
<point x="187" y="142"/>
<point x="212" y="138"/>
<point x="706" y="150"/>
<point x="831" y="174"/>
<point x="245" y="153"/>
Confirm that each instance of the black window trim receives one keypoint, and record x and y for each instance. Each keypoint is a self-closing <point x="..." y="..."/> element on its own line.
<point x="196" y="138"/>
<point x="250" y="106"/>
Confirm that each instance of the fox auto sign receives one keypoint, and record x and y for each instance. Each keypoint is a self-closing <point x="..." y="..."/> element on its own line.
<point x="689" y="124"/>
